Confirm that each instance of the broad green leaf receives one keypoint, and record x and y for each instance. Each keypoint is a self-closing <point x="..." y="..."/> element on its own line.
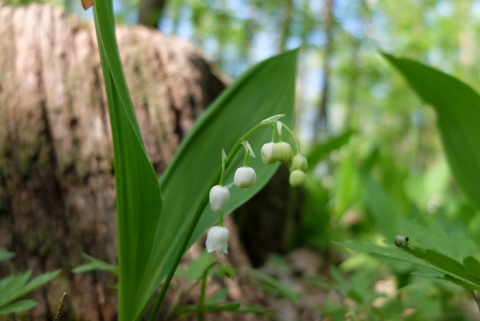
<point x="473" y="266"/>
<point x="17" y="306"/>
<point x="265" y="90"/>
<point x="5" y="255"/>
<point x="440" y="234"/>
<point x="442" y="262"/>
<point x="149" y="245"/>
<point x="321" y="150"/>
<point x="458" y="118"/>
<point x="346" y="185"/>
<point x="196" y="267"/>
<point x="381" y="206"/>
<point x="431" y="262"/>
<point x="139" y="202"/>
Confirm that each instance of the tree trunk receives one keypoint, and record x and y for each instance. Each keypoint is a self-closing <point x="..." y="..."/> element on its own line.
<point x="57" y="193"/>
<point x="321" y="126"/>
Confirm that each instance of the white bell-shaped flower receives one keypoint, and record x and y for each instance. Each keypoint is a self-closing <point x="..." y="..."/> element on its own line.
<point x="217" y="240"/>
<point x="219" y="197"/>
<point x="244" y="177"/>
<point x="267" y="153"/>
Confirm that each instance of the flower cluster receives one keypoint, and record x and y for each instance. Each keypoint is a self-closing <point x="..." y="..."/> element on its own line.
<point x="245" y="176"/>
<point x="282" y="152"/>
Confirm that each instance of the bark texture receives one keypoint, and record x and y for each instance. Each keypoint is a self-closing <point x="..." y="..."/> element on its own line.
<point x="57" y="195"/>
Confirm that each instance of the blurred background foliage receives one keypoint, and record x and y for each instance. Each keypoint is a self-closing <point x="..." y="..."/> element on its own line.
<point x="382" y="170"/>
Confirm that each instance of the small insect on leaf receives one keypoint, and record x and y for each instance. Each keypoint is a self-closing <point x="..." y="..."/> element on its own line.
<point x="401" y="241"/>
<point x="87" y="4"/>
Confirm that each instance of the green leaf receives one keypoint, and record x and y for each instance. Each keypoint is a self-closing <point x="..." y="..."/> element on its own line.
<point x="381" y="206"/>
<point x="149" y="245"/>
<point x="37" y="282"/>
<point x="5" y="255"/>
<point x="16" y="286"/>
<point x="11" y="286"/>
<point x="196" y="267"/>
<point x="473" y="266"/>
<point x="95" y="264"/>
<point x="139" y="202"/>
<point x="265" y="90"/>
<point x="444" y="263"/>
<point x="18" y="306"/>
<point x="217" y="296"/>
<point x="274" y="286"/>
<point x="458" y="109"/>
<point x="322" y="150"/>
<point x="346" y="185"/>
<point x="432" y="274"/>
<point x="431" y="262"/>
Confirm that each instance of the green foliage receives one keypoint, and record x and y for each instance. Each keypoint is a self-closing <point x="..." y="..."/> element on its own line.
<point x="458" y="117"/>
<point x="432" y="263"/>
<point x="199" y="270"/>
<point x="322" y="150"/>
<point x="95" y="264"/>
<point x="14" y="287"/>
<point x="251" y="98"/>
<point x="440" y="247"/>
<point x="139" y="202"/>
<point x="151" y="241"/>
<point x="5" y="255"/>
<point x="315" y="228"/>
<point x="274" y="286"/>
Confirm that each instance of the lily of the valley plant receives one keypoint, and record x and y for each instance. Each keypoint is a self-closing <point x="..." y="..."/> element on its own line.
<point x="245" y="176"/>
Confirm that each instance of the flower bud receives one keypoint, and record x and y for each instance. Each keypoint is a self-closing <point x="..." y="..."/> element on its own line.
<point x="297" y="178"/>
<point x="217" y="240"/>
<point x="244" y="177"/>
<point x="282" y="152"/>
<point x="299" y="162"/>
<point x="267" y="153"/>
<point x="219" y="197"/>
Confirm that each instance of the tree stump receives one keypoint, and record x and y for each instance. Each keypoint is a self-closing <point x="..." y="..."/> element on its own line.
<point x="57" y="193"/>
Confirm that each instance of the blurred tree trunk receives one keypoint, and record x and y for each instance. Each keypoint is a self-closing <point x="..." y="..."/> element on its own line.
<point x="321" y="126"/>
<point x="222" y="33"/>
<point x="286" y="25"/>
<point x="150" y="11"/>
<point x="57" y="194"/>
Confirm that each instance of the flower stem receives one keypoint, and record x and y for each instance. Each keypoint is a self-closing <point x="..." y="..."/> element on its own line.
<point x="220" y="218"/>
<point x="245" y="160"/>
<point x="274" y="131"/>
<point x="203" y="291"/>
<point x="222" y="173"/>
<point x="476" y="298"/>
<point x="296" y="147"/>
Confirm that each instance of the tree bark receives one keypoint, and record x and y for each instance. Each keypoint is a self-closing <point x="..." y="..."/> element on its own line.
<point x="57" y="193"/>
<point x="321" y="126"/>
